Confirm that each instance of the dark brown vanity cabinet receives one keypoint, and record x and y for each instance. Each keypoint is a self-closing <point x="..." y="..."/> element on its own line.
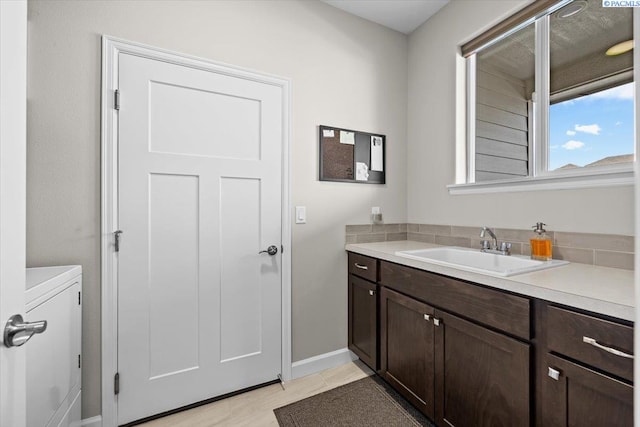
<point x="457" y="372"/>
<point x="588" y="371"/>
<point x="467" y="355"/>
<point x="363" y="309"/>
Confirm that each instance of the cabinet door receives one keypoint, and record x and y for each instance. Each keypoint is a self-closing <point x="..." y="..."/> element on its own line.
<point x="363" y="334"/>
<point x="582" y="397"/>
<point x="406" y="348"/>
<point x="482" y="377"/>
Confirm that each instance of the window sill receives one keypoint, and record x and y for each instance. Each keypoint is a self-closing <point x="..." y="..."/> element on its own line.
<point x="566" y="182"/>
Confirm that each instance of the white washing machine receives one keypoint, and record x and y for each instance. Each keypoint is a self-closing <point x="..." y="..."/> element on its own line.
<point x="54" y="358"/>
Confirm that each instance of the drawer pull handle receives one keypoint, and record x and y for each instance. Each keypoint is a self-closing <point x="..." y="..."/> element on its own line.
<point x="554" y="374"/>
<point x="360" y="266"/>
<point x="372" y="292"/>
<point x="594" y="343"/>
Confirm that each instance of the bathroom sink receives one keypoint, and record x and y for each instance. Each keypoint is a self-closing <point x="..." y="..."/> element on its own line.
<point x="480" y="262"/>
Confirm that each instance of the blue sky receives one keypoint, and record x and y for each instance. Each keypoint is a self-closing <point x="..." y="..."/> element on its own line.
<point x="591" y="127"/>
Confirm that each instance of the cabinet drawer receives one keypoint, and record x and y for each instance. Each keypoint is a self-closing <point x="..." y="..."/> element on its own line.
<point x="500" y="310"/>
<point x="568" y="331"/>
<point x="363" y="266"/>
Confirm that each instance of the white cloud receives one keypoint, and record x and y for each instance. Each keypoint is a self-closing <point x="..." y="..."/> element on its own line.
<point x="572" y="145"/>
<point x="618" y="92"/>
<point x="618" y="123"/>
<point x="593" y="129"/>
<point x="571" y="132"/>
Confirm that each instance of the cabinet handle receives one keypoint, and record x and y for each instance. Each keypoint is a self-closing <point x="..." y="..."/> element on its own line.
<point x="372" y="292"/>
<point x="427" y="317"/>
<point x="554" y="374"/>
<point x="360" y="266"/>
<point x="594" y="343"/>
<point x="436" y="321"/>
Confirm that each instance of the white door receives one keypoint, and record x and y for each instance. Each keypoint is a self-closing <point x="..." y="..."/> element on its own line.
<point x="13" y="128"/>
<point x="200" y="187"/>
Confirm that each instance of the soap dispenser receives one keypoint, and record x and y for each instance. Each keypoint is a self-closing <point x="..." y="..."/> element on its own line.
<point x="540" y="243"/>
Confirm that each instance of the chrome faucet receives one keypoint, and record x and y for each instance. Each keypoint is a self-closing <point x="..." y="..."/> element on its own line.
<point x="493" y="236"/>
<point x="503" y="249"/>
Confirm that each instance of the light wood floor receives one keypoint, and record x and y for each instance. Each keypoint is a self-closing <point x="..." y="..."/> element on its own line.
<point x="255" y="408"/>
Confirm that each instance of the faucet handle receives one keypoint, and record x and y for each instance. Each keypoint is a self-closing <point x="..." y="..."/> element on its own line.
<point x="505" y="247"/>
<point x="485" y="245"/>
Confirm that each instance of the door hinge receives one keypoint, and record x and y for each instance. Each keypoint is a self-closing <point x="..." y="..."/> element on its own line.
<point x="116" y="383"/>
<point x="79" y="362"/>
<point x="79" y="298"/>
<point x="116" y="99"/>
<point x="116" y="235"/>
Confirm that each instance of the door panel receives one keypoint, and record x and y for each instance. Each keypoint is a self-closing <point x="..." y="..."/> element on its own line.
<point x="180" y="129"/>
<point x="241" y="282"/>
<point x="199" y="162"/>
<point x="173" y="235"/>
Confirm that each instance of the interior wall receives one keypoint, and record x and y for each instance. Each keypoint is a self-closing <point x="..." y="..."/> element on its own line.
<point x="345" y="72"/>
<point x="432" y="132"/>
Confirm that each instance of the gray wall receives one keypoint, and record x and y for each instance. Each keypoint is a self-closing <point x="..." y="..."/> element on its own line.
<point x="432" y="133"/>
<point x="346" y="72"/>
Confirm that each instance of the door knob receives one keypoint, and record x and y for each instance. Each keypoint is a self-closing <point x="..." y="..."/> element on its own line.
<point x="18" y="332"/>
<point x="271" y="250"/>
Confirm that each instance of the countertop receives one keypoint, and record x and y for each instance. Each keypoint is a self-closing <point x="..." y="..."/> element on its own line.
<point x="604" y="290"/>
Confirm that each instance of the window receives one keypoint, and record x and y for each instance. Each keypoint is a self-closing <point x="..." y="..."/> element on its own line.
<point x="550" y="94"/>
<point x="504" y="85"/>
<point x="592" y="130"/>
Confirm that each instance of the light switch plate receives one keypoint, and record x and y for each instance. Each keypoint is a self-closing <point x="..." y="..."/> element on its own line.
<point x="301" y="214"/>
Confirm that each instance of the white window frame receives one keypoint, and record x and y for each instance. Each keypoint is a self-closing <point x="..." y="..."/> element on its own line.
<point x="540" y="178"/>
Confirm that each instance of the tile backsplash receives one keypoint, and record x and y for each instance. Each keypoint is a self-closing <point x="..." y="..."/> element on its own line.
<point x="607" y="250"/>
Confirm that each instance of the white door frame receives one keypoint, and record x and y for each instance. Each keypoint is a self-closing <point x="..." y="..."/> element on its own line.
<point x="13" y="161"/>
<point x="111" y="47"/>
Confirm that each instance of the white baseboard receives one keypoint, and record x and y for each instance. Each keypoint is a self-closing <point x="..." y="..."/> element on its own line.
<point x="321" y="362"/>
<point x="92" y="422"/>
